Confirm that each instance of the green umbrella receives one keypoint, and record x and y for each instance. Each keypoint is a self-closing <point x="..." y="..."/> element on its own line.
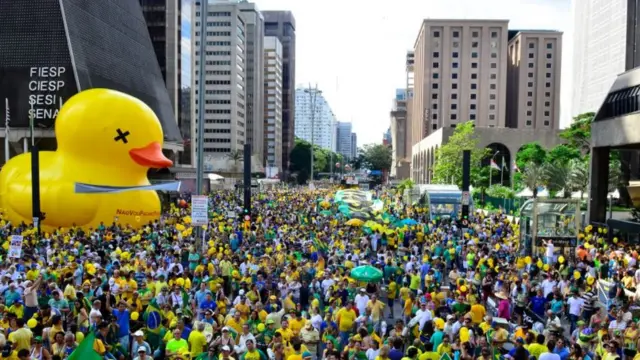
<point x="326" y="213"/>
<point x="367" y="273"/>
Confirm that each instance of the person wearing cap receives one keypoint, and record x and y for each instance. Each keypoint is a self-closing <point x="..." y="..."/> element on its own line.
<point x="225" y="339"/>
<point x="311" y="338"/>
<point x="39" y="351"/>
<point x="225" y="353"/>
<point x="361" y="300"/>
<point x="142" y="353"/>
<point x="138" y="342"/>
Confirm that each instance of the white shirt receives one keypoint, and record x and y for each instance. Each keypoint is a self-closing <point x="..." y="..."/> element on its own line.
<point x="242" y="344"/>
<point x="372" y="354"/>
<point x="422" y="316"/>
<point x="547" y="287"/>
<point x="361" y="303"/>
<point x="549" y="356"/>
<point x="575" y="305"/>
<point x="549" y="252"/>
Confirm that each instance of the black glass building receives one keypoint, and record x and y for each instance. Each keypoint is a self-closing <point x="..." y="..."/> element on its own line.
<point x="51" y="49"/>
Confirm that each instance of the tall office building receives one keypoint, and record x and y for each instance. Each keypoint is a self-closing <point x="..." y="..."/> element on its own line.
<point x="323" y="121"/>
<point x="254" y="70"/>
<point x="460" y="74"/>
<point x="343" y="139"/>
<point x="225" y="127"/>
<point x="600" y="32"/>
<point x="163" y="18"/>
<point x="399" y="134"/>
<point x="533" y="86"/>
<point x="273" y="102"/>
<point x="354" y="145"/>
<point x="282" y="25"/>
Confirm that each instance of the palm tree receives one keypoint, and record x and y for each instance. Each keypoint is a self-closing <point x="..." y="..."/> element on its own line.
<point x="533" y="177"/>
<point x="558" y="177"/>
<point x="579" y="179"/>
<point x="236" y="156"/>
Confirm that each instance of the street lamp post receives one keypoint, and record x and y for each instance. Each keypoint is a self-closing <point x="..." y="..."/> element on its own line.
<point x="313" y="93"/>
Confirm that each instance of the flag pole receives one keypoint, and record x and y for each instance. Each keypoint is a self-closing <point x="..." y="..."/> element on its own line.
<point x="6" y="130"/>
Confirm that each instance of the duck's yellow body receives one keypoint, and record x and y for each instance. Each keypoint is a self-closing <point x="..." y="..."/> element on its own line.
<point x="105" y="138"/>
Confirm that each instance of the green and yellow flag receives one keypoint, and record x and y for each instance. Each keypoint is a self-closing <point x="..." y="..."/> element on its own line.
<point x="85" y="350"/>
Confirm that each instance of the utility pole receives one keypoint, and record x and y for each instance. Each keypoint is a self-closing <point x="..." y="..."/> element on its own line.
<point x="313" y="93"/>
<point x="201" y="111"/>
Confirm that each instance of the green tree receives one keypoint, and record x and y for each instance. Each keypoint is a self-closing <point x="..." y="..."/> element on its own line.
<point x="578" y="134"/>
<point x="557" y="177"/>
<point x="447" y="167"/>
<point x="563" y="154"/>
<point x="580" y="176"/>
<point x="237" y="157"/>
<point x="377" y="156"/>
<point x="530" y="153"/>
<point x="300" y="159"/>
<point x="533" y="177"/>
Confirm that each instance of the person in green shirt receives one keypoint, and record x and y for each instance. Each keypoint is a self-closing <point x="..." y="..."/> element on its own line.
<point x="177" y="345"/>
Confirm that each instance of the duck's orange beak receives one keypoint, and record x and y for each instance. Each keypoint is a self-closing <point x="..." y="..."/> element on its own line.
<point x="150" y="156"/>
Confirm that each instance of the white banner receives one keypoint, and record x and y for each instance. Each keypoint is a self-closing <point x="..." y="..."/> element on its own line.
<point x="15" y="246"/>
<point x="199" y="210"/>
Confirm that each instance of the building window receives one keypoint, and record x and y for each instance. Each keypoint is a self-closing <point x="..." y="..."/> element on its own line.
<point x="548" y="84"/>
<point x="436" y="65"/>
<point x="529" y="93"/>
<point x="435" y="76"/>
<point x="436" y="54"/>
<point x="547" y="103"/>
<point x="493" y="76"/>
<point x="472" y="96"/>
<point x="492" y="106"/>
<point x="528" y="123"/>
<point x="474" y="34"/>
<point x="546" y="113"/>
<point x="530" y="65"/>
<point x="454" y="65"/>
<point x="528" y="114"/>
<point x="472" y="107"/>
<point x="530" y="55"/>
<point x="529" y="103"/>
<point x="474" y="55"/>
<point x="494" y="65"/>
<point x="548" y="75"/>
<point x="454" y="106"/>
<point x="455" y="54"/>
<point x="494" y="55"/>
<point x="434" y="86"/>
<point x="546" y="123"/>
<point x="494" y="34"/>
<point x="434" y="127"/>
<point x="453" y="117"/>
<point x="492" y="86"/>
<point x="471" y="117"/>
<point x="454" y="86"/>
<point x="530" y="84"/>
<point x="530" y="75"/>
<point x="549" y="56"/>
<point x="433" y="97"/>
<point x="456" y="44"/>
<point x="454" y="96"/>
<point x="474" y="65"/>
<point x="492" y="117"/>
<point x="456" y="34"/>
<point x="473" y="87"/>
<point x="549" y="46"/>
<point x="474" y="44"/>
<point x="436" y="34"/>
<point x="474" y="76"/>
<point x="434" y="116"/>
<point x="548" y="65"/>
<point x="454" y="75"/>
<point x="434" y="106"/>
<point x="492" y="97"/>
<point x="532" y="45"/>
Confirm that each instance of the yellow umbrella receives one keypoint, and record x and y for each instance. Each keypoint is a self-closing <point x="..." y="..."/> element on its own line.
<point x="355" y="222"/>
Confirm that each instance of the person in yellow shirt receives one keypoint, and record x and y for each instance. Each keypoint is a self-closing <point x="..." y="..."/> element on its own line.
<point x="296" y="324"/>
<point x="404" y="293"/>
<point x="129" y="286"/>
<point x="477" y="312"/>
<point x="377" y="308"/>
<point x="346" y="317"/>
<point x="235" y="322"/>
<point x="538" y="347"/>
<point x="445" y="347"/>
<point x="18" y="309"/>
<point x="197" y="340"/>
<point x="408" y="307"/>
<point x="415" y="280"/>
<point x="392" y="293"/>
<point x="285" y="331"/>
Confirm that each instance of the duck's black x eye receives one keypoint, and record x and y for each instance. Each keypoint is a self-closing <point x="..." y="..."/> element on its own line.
<point x="122" y="136"/>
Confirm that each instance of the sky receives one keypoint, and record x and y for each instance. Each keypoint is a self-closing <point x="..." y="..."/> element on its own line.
<point x="354" y="50"/>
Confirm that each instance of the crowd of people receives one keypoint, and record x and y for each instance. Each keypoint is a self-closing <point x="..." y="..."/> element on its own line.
<point x="279" y="287"/>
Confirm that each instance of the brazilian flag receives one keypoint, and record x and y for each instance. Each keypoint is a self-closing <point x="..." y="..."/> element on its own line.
<point x="153" y="317"/>
<point x="85" y="350"/>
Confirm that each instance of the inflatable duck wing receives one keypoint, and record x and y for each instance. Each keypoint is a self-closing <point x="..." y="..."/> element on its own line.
<point x="105" y="138"/>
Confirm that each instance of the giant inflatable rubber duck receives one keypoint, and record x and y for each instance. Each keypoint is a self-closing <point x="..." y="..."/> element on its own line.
<point x="105" y="138"/>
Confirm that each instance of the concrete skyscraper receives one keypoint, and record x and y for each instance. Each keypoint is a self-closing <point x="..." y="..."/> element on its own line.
<point x="354" y="145"/>
<point x="273" y="103"/>
<point x="343" y="139"/>
<point x="282" y="25"/>
<point x="600" y="32"/>
<point x="314" y="119"/>
<point x="460" y="72"/>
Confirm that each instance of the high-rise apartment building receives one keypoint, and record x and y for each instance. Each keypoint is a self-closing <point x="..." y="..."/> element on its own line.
<point x="354" y="145"/>
<point x="460" y="74"/>
<point x="273" y="102"/>
<point x="315" y="121"/>
<point x="533" y="86"/>
<point x="399" y="156"/>
<point x="600" y="32"/>
<point x="254" y="70"/>
<point x="225" y="127"/>
<point x="163" y="18"/>
<point x="343" y="139"/>
<point x="282" y="25"/>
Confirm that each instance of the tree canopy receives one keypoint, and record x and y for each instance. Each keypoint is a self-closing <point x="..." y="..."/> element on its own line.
<point x="376" y="156"/>
<point x="300" y="159"/>
<point x="447" y="169"/>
